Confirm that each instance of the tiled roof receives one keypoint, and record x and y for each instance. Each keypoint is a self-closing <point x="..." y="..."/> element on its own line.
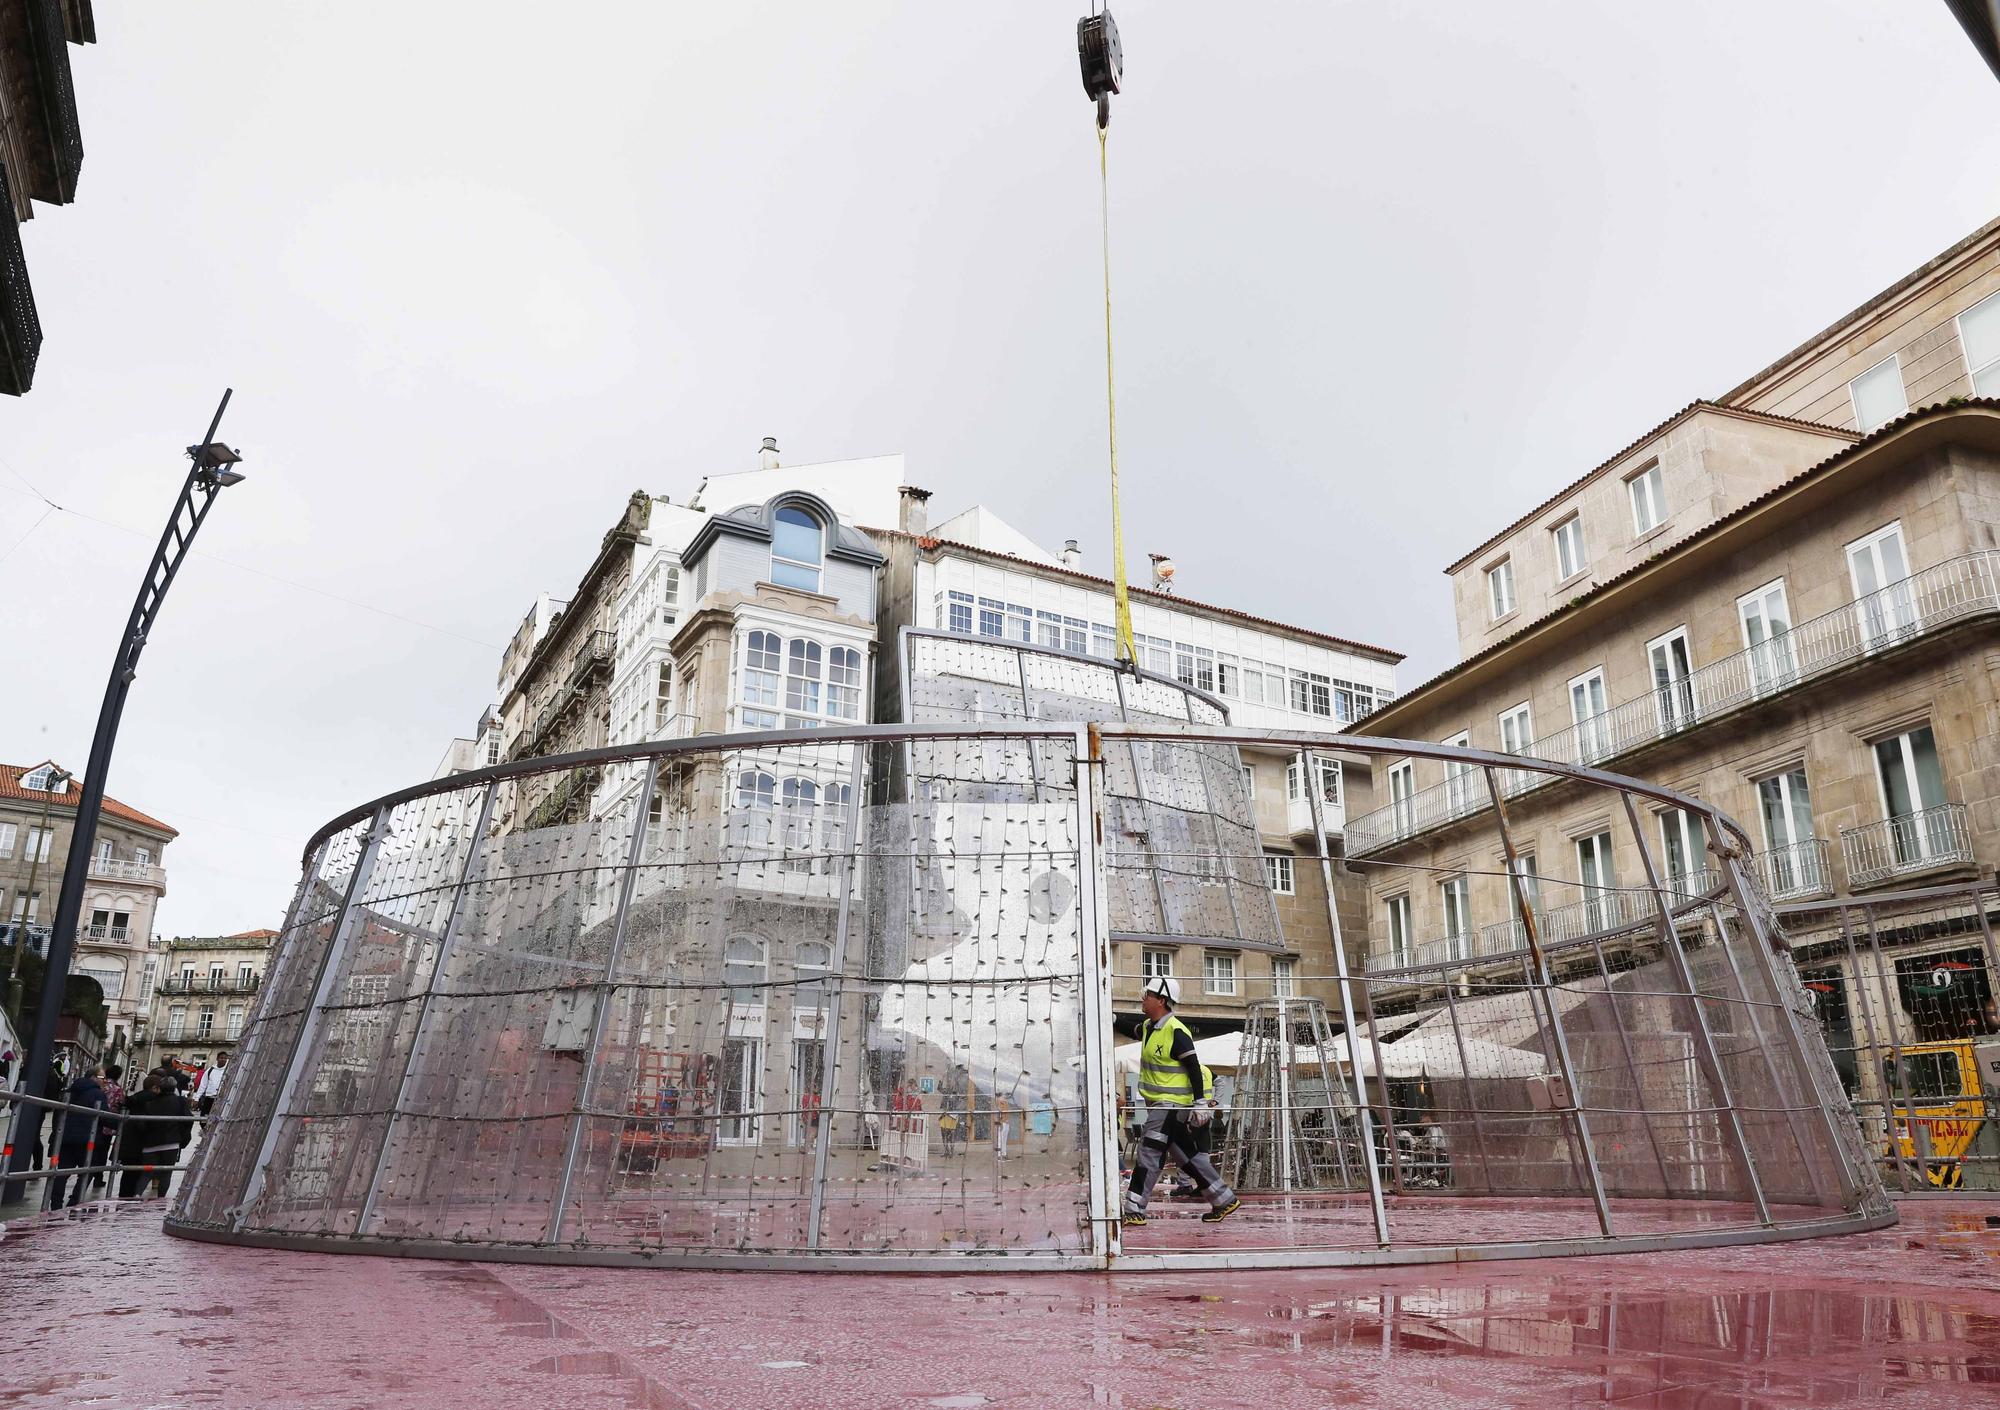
<point x="1165" y="599"/>
<point x="253" y="935"/>
<point x="1936" y="410"/>
<point x="1690" y="409"/>
<point x="10" y="787"/>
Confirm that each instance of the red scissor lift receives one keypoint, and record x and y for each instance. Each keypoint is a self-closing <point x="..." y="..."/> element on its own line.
<point x="667" y="1112"/>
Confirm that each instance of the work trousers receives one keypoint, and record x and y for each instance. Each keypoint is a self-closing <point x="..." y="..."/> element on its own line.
<point x="1167" y="1133"/>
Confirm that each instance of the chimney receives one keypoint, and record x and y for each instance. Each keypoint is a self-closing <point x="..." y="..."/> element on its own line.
<point x="767" y="454"/>
<point x="1163" y="571"/>
<point x="913" y="509"/>
<point x="1072" y="554"/>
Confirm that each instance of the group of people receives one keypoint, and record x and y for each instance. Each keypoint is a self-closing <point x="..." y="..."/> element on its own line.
<point x="170" y="1098"/>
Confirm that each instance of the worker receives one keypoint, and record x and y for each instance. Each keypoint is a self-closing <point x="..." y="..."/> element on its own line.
<point x="1175" y="1088"/>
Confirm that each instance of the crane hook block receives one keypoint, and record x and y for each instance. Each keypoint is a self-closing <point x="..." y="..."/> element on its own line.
<point x="1102" y="59"/>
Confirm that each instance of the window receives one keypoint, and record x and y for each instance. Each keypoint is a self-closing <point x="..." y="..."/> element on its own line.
<point x="801" y="799"/>
<point x="204" y="1024"/>
<point x="744" y="970"/>
<point x="1593" y="869"/>
<point x="27" y="906"/>
<point x="1879" y="571"/>
<point x="1517" y="732"/>
<point x="802" y="678"/>
<point x="38" y="844"/>
<point x="1459" y="777"/>
<point x="146" y="981"/>
<point x="1531" y="884"/>
<point x="1020" y="623"/>
<point x="1403" y="795"/>
<point x="1673" y="688"/>
<point x="1228" y="675"/>
<point x="43" y="780"/>
<point x="1767" y="625"/>
<point x="992" y="617"/>
<point x="1500" y="588"/>
<point x="1790" y="866"/>
<point x="1329" y="780"/>
<point x="670" y="595"/>
<point x="843" y="683"/>
<point x="492" y="750"/>
<point x="1284" y="979"/>
<point x="1456" y="903"/>
<point x="797" y="549"/>
<point x="1878" y="395"/>
<point x="1103" y="641"/>
<point x="959" y="613"/>
<point x="1979" y="336"/>
<point x="1685" y="842"/>
<point x="176" y="1024"/>
<point x="762" y="654"/>
<point x="215" y="973"/>
<point x="8" y="833"/>
<point x="244" y="975"/>
<point x="234" y="1028"/>
<point x="1218" y="973"/>
<point x="1156" y="964"/>
<point x="663" y="695"/>
<point x="1278" y="868"/>
<point x="756" y="795"/>
<point x="102" y="852"/>
<point x="1649" y="500"/>
<point x="1249" y="784"/>
<point x="1156" y="654"/>
<point x="811" y="966"/>
<point x="1586" y="704"/>
<point x="1568" y="537"/>
<point x="1194" y="666"/>
<point x="1312" y="693"/>
<point x="1049" y="629"/>
<point x="1396" y="929"/>
<point x="1912" y="783"/>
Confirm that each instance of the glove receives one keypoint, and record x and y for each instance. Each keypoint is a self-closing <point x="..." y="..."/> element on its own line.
<point x="1199" y="1114"/>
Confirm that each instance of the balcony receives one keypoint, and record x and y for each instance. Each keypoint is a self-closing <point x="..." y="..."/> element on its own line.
<point x="1299" y="816"/>
<point x="206" y="984"/>
<point x="1796" y="872"/>
<point x="595" y="654"/>
<point x="1924" y="603"/>
<point x="1930" y="840"/>
<point x="20" y="326"/>
<point x="125" y="869"/>
<point x="108" y="934"/>
<point x="1609" y="914"/>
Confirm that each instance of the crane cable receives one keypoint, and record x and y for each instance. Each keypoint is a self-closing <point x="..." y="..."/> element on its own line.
<point x="1127" y="652"/>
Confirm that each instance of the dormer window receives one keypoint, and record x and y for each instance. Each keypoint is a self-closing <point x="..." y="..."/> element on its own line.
<point x="42" y="780"/>
<point x="798" y="549"/>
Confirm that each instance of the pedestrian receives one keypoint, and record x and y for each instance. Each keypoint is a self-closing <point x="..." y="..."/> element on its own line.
<point x="1179" y="1102"/>
<point x="107" y="1133"/>
<point x="951" y="1109"/>
<point x="79" y="1138"/>
<point x="1003" y="1126"/>
<point x="154" y="1143"/>
<point x="209" y="1088"/>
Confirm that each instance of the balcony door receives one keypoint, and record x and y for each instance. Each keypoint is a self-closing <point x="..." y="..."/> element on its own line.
<point x="1791" y="863"/>
<point x="1458" y="776"/>
<point x="1913" y="795"/>
<point x="1599" y="882"/>
<point x="1402" y="795"/>
<point x="1686" y="843"/>
<point x="1673" y="686"/>
<point x="1586" y="705"/>
<point x="1880" y="571"/>
<point x="1767" y="636"/>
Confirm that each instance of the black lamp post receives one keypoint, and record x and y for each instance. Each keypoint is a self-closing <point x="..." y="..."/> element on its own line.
<point x="212" y="469"/>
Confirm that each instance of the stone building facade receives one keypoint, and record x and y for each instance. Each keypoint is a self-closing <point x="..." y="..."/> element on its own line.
<point x="203" y="995"/>
<point x="41" y="153"/>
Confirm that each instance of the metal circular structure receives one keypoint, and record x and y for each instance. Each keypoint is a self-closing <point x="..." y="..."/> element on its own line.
<point x="772" y="1008"/>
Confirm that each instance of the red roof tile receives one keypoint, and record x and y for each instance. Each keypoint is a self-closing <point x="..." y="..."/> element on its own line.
<point x="10" y="787"/>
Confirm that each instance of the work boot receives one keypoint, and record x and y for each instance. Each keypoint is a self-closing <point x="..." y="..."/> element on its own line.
<point x="1222" y="1212"/>
<point x="1133" y="1219"/>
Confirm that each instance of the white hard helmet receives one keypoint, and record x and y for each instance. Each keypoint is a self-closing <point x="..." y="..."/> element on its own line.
<point x="1166" y="986"/>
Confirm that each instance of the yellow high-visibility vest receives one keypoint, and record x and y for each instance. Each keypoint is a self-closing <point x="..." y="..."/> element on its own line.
<point x="1162" y="1079"/>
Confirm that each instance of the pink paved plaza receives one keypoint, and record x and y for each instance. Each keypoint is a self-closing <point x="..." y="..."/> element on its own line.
<point x="110" y="1311"/>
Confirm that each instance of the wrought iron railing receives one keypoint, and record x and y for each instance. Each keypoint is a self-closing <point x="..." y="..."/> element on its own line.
<point x="205" y="984"/>
<point x="58" y="106"/>
<point x="1920" y="841"/>
<point x="1795" y="872"/>
<point x="1925" y="602"/>
<point x="20" y="326"/>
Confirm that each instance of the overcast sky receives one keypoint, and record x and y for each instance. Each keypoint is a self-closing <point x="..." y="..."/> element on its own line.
<point x="1385" y="274"/>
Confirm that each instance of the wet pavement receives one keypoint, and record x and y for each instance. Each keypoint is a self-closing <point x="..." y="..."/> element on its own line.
<point x="107" y="1310"/>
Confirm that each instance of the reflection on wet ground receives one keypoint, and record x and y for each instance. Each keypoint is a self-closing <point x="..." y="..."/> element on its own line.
<point x="1909" y="1316"/>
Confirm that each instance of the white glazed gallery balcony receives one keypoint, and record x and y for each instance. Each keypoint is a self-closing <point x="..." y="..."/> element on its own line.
<point x="125" y="869"/>
<point x="1924" y="603"/>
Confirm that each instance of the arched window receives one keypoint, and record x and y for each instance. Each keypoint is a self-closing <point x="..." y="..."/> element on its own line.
<point x="833" y="819"/>
<point x="744" y="969"/>
<point x="843" y="683"/>
<point x="802" y="680"/>
<point x="763" y="660"/>
<point x="797" y="549"/>
<point x="801" y="798"/>
<point x="755" y="793"/>
<point x="812" y="964"/>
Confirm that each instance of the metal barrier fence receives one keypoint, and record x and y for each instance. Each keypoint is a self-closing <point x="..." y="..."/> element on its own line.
<point x="1903" y="987"/>
<point x="845" y="998"/>
<point x="48" y="1186"/>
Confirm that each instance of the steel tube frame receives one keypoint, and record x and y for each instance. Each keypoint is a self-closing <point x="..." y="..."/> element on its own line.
<point x="1369" y="1164"/>
<point x="642" y="806"/>
<point x="1670" y="944"/>
<point x="1631" y="1061"/>
<point x="476" y="851"/>
<point x="1544" y="983"/>
<point x="1465" y="1075"/>
<point x="321" y="993"/>
<point x="1896" y="1047"/>
<point x="1867" y="1005"/>
<point x="830" y="1063"/>
<point x="1100" y="1114"/>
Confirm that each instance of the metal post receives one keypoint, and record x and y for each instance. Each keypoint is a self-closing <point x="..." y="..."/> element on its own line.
<point x="1631" y="1061"/>
<point x="1896" y="1047"/>
<point x="1362" y="1115"/>
<point x="1034" y="760"/>
<point x="344" y="929"/>
<point x="1670" y="943"/>
<point x="1100" y="1110"/>
<point x="1544" y="982"/>
<point x="1465" y="1076"/>
<point x="1875" y="1055"/>
<point x="606" y="987"/>
<point x="829" y="1084"/>
<point x="197" y="496"/>
<point x="1146" y="802"/>
<point x="1322" y="1037"/>
<point x="473" y="854"/>
<point x="1284" y="1099"/>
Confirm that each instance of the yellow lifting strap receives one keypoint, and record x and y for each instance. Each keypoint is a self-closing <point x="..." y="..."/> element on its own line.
<point x="1126" y="650"/>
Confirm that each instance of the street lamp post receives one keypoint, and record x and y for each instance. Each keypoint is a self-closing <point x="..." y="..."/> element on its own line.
<point x="212" y="469"/>
<point x="57" y="781"/>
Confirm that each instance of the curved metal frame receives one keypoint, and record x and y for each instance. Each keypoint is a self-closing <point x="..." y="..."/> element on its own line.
<point x="1104" y="1248"/>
